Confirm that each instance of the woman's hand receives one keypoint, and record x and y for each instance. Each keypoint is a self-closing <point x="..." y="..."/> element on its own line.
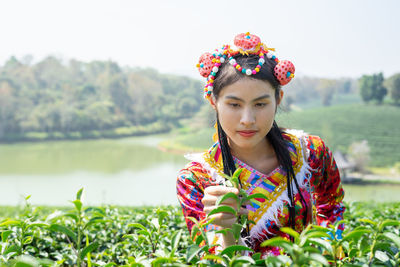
<point x="222" y="219"/>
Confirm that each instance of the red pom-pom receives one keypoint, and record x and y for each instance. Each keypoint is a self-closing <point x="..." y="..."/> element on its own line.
<point x="206" y="64"/>
<point x="281" y="70"/>
<point x="246" y="41"/>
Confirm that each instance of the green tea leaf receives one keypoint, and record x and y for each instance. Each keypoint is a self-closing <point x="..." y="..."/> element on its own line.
<point x="257" y="195"/>
<point x="95" y="220"/>
<point x="79" y="194"/>
<point x="5" y="235"/>
<point x="144" y="232"/>
<point x="386" y="223"/>
<point x="88" y="249"/>
<point x="235" y="248"/>
<point x="353" y="252"/>
<point x="161" y="216"/>
<point x="27" y="240"/>
<point x="225" y="197"/>
<point x="290" y="232"/>
<point x="12" y="249"/>
<point x="192" y="252"/>
<point x="99" y="211"/>
<point x="10" y="223"/>
<point x="236" y="229"/>
<point x="63" y="229"/>
<point x="382" y="256"/>
<point x="322" y="243"/>
<point x="175" y="239"/>
<point x="73" y="216"/>
<point x="243" y="259"/>
<point x="199" y="239"/>
<point x="78" y="204"/>
<point x="364" y="220"/>
<point x="137" y="225"/>
<point x="38" y="224"/>
<point x="383" y="246"/>
<point x="237" y="173"/>
<point x="277" y="242"/>
<point x="194" y="220"/>
<point x="256" y="256"/>
<point x="355" y="234"/>
<point x="226" y="209"/>
<point x="319" y="258"/>
<point x="195" y="230"/>
<point x="215" y="258"/>
<point x="393" y="237"/>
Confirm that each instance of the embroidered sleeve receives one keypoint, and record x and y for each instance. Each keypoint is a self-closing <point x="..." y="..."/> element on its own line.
<point x="328" y="191"/>
<point x="190" y="192"/>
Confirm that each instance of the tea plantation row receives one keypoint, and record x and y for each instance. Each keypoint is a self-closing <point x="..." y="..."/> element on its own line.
<point x="121" y="236"/>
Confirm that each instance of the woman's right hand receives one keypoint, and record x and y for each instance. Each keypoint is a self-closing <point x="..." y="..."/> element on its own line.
<point x="211" y="195"/>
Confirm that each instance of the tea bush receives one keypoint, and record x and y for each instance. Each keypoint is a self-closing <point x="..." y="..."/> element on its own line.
<point x="123" y="236"/>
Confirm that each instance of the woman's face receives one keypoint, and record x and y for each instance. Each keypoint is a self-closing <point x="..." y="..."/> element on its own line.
<point x="246" y="111"/>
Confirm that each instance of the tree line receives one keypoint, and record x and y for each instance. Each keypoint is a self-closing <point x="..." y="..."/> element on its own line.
<point x="50" y="99"/>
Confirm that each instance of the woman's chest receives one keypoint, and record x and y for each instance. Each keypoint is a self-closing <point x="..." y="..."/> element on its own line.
<point x="271" y="211"/>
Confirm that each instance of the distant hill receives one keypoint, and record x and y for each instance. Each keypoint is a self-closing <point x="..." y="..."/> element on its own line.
<point x="338" y="125"/>
<point x="341" y="125"/>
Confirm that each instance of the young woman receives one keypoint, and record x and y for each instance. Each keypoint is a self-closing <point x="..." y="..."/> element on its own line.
<point x="294" y="170"/>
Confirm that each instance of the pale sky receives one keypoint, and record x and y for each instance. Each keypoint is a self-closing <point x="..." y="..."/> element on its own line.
<point x="341" y="38"/>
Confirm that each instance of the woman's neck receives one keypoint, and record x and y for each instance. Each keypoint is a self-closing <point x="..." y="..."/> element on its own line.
<point x="252" y="156"/>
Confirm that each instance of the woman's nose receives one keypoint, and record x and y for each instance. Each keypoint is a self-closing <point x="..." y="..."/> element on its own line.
<point x="248" y="117"/>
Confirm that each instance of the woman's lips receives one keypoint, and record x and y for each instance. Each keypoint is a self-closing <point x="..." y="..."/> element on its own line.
<point x="247" y="133"/>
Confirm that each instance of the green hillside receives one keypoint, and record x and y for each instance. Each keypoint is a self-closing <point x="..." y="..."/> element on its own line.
<point x="339" y="126"/>
<point x="343" y="124"/>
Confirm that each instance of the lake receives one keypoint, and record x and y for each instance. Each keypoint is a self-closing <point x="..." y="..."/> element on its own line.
<point x="129" y="172"/>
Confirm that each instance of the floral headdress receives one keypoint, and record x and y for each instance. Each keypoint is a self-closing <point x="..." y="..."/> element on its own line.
<point x="245" y="44"/>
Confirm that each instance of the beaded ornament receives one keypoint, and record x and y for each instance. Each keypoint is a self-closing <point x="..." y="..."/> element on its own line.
<point x="245" y="44"/>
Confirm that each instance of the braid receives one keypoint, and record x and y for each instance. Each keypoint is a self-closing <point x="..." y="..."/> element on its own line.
<point x="280" y="146"/>
<point x="227" y="159"/>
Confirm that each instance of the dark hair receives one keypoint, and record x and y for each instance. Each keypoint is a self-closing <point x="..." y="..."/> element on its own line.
<point x="228" y="75"/>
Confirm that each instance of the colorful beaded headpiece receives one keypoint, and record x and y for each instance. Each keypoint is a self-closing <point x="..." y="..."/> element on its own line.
<point x="246" y="44"/>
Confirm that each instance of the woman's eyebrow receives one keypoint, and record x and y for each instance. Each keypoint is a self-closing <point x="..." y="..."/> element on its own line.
<point x="261" y="97"/>
<point x="254" y="100"/>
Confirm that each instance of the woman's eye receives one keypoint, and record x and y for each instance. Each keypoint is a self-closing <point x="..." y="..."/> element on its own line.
<point x="235" y="105"/>
<point x="261" y="104"/>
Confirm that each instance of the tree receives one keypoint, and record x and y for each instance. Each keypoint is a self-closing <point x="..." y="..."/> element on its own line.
<point x="393" y="84"/>
<point x="371" y="88"/>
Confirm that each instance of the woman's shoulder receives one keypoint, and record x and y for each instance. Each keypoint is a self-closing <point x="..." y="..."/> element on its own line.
<point x="195" y="170"/>
<point x="204" y="167"/>
<point x="313" y="146"/>
<point x="313" y="142"/>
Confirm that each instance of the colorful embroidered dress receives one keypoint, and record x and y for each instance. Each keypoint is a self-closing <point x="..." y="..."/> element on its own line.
<point x="316" y="173"/>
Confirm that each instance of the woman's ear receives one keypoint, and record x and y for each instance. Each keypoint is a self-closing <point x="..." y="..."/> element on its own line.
<point x="280" y="97"/>
<point x="213" y="102"/>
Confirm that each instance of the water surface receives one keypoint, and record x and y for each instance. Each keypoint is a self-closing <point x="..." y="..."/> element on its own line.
<point x="130" y="171"/>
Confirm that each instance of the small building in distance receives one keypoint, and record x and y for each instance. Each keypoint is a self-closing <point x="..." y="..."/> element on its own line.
<point x="343" y="165"/>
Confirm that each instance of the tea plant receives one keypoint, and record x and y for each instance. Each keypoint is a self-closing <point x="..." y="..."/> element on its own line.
<point x="129" y="236"/>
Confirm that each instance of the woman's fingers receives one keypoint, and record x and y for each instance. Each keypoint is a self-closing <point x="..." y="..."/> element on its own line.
<point x="220" y="190"/>
<point x="223" y="219"/>
<point x="212" y="193"/>
<point x="210" y="200"/>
